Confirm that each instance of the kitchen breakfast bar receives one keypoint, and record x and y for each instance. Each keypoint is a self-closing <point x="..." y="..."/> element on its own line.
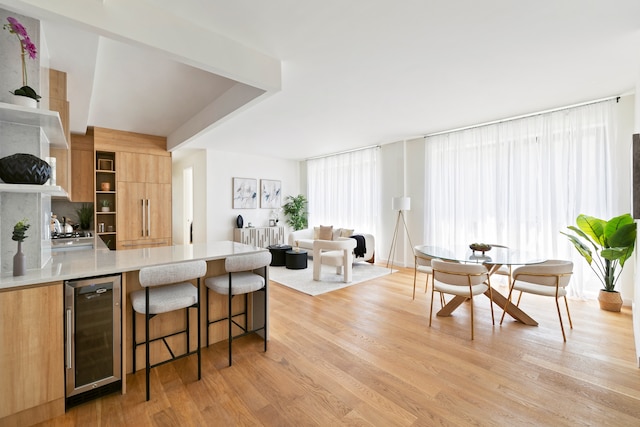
<point x="32" y="320"/>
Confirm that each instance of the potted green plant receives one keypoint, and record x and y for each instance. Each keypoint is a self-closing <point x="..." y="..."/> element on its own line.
<point x="294" y="208"/>
<point x="613" y="242"/>
<point x="105" y="205"/>
<point x="85" y="215"/>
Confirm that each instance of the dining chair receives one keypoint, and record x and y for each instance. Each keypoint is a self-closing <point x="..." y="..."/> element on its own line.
<point x="549" y="278"/>
<point x="167" y="288"/>
<point x="422" y="264"/>
<point x="241" y="278"/>
<point x="464" y="280"/>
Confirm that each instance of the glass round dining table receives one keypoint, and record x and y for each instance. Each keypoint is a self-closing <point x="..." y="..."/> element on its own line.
<point x="493" y="259"/>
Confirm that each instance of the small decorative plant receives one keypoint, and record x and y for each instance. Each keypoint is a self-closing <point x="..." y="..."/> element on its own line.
<point x="19" y="230"/>
<point x="85" y="215"/>
<point x="26" y="47"/>
<point x="295" y="210"/>
<point x="613" y="242"/>
<point x="105" y="203"/>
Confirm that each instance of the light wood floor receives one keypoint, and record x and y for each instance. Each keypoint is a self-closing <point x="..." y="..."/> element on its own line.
<point x="365" y="355"/>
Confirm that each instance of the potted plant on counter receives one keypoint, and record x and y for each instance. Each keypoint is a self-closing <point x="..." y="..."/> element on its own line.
<point x="295" y="210"/>
<point x="19" y="259"/>
<point x="85" y="215"/>
<point x="613" y="242"/>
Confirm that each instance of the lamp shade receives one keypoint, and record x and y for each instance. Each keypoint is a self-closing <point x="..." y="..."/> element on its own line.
<point x="401" y="203"/>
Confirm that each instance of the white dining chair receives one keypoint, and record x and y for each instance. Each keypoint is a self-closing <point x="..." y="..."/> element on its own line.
<point x="549" y="278"/>
<point x="465" y="280"/>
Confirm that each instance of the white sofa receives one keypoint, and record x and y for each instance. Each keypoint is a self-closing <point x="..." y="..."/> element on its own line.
<point x="305" y="240"/>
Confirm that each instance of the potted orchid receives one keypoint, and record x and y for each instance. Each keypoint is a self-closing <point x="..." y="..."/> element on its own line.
<point x="26" y="48"/>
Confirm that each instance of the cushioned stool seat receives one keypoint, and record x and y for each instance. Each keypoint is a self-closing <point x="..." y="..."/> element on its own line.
<point x="240" y="279"/>
<point x="166" y="288"/>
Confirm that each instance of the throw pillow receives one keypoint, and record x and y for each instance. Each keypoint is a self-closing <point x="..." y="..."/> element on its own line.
<point x="346" y="232"/>
<point x="326" y="232"/>
<point x="316" y="233"/>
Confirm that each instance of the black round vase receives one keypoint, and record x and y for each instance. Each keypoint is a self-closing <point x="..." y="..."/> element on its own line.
<point x="24" y="168"/>
<point x="239" y="221"/>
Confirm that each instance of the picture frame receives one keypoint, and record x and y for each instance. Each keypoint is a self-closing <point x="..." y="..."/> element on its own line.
<point x="105" y="164"/>
<point x="245" y="193"/>
<point x="270" y="194"/>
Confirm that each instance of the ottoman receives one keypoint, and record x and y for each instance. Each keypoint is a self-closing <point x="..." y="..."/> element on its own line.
<point x="296" y="260"/>
<point x="278" y="258"/>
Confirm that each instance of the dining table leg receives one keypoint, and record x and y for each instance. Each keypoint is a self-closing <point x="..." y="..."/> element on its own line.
<point x="498" y="299"/>
<point x="512" y="309"/>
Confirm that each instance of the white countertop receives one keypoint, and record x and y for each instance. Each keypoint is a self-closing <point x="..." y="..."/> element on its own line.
<point x="97" y="262"/>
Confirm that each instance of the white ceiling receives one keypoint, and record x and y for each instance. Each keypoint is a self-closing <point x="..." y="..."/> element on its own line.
<point x="354" y="73"/>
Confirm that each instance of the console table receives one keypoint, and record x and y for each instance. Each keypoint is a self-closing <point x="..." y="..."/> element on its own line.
<point x="259" y="236"/>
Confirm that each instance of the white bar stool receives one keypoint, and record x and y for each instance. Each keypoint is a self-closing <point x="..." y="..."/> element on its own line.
<point x="167" y="288"/>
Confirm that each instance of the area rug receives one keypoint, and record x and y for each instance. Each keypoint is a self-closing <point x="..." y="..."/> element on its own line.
<point x="302" y="280"/>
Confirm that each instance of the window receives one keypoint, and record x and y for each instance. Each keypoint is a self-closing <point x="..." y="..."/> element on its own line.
<point x="343" y="190"/>
<point x="521" y="182"/>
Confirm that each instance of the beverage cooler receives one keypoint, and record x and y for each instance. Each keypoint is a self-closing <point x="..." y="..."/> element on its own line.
<point x="93" y="342"/>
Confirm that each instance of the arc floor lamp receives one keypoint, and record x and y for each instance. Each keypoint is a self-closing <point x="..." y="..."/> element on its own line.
<point x="400" y="204"/>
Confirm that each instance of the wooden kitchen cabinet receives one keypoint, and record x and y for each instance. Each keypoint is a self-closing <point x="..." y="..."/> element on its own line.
<point x="31" y="355"/>
<point x="142" y="187"/>
<point x="144" y="217"/>
<point x="137" y="167"/>
<point x="82" y="169"/>
<point x="58" y="102"/>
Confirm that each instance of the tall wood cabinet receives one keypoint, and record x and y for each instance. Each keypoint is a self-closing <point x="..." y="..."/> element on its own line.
<point x="142" y="188"/>
<point x="82" y="167"/>
<point x="74" y="165"/>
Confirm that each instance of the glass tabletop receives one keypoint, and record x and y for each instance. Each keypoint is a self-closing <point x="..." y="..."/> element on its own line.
<point x="496" y="255"/>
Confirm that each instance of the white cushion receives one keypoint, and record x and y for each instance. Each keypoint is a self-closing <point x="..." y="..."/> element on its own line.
<point x="171" y="273"/>
<point x="334" y="258"/>
<point x="425" y="269"/>
<point x="165" y="298"/>
<point x="461" y="290"/>
<point x="532" y="288"/>
<point x="242" y="282"/>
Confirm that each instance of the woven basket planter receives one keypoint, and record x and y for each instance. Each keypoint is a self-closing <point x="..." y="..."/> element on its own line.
<point x="23" y="168"/>
<point x="610" y="301"/>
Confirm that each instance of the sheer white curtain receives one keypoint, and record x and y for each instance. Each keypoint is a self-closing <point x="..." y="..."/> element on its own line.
<point x="521" y="182"/>
<point x="343" y="190"/>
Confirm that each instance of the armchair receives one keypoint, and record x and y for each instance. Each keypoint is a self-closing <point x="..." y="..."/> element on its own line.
<point x="337" y="253"/>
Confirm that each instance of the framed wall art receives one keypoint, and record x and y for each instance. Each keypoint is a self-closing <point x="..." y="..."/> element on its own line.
<point x="245" y="193"/>
<point x="270" y="194"/>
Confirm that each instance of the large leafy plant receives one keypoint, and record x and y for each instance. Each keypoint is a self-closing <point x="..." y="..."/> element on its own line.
<point x="294" y="208"/>
<point x="612" y="241"/>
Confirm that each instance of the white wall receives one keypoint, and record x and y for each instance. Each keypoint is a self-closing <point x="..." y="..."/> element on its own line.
<point x="392" y="174"/>
<point x="214" y="218"/>
<point x="622" y="153"/>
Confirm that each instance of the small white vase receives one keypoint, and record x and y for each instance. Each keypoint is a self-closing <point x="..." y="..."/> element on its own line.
<point x="24" y="101"/>
<point x="105" y="209"/>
